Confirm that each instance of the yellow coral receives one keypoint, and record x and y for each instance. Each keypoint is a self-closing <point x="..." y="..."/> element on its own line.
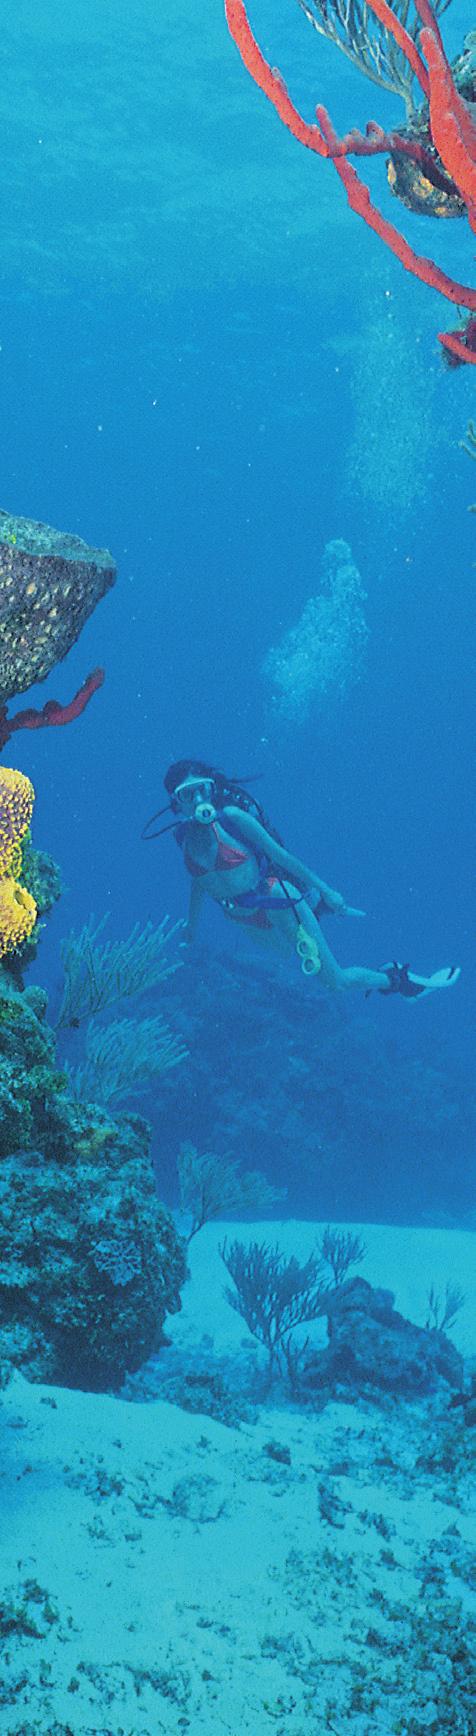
<point x="14" y="866"/>
<point x="16" y="806"/>
<point x="18" y="910"/>
<point x="18" y="915"/>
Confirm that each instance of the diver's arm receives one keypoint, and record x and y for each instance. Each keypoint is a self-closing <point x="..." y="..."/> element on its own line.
<point x="297" y="871"/>
<point x="197" y="895"/>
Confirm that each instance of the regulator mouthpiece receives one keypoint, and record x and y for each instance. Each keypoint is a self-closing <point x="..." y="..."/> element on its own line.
<point x="205" y="813"/>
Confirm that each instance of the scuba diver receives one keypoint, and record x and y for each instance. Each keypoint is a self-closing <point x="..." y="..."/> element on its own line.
<point x="234" y="856"/>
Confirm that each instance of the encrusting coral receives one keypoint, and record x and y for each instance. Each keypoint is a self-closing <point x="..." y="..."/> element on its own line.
<point x="90" y="1262"/>
<point x="41" y="876"/>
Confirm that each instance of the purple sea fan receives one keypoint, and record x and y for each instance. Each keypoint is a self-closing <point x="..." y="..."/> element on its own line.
<point x="120" y="1259"/>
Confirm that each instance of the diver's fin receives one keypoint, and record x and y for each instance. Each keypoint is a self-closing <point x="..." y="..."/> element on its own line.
<point x="402" y="981"/>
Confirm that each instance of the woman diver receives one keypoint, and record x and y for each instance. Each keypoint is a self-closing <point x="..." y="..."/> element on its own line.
<point x="234" y="856"/>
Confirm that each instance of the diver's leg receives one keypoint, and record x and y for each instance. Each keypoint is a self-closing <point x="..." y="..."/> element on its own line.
<point x="330" y="974"/>
<point x="283" y="934"/>
<point x="333" y="975"/>
<point x="391" y="979"/>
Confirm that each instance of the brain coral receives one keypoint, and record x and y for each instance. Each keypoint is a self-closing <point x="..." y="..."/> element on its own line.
<point x="16" y="807"/>
<point x="49" y="585"/>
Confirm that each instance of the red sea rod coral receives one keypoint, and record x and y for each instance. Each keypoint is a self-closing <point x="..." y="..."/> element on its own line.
<point x="452" y="156"/>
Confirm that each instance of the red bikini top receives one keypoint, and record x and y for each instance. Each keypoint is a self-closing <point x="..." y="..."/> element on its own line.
<point x="227" y="857"/>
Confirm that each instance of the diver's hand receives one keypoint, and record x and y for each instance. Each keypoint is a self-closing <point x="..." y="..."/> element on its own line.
<point x="337" y="904"/>
<point x="333" y="902"/>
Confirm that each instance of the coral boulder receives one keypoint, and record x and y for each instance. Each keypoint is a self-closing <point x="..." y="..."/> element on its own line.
<point x="373" y="1348"/>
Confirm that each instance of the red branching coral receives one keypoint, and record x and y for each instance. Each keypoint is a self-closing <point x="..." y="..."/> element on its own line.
<point x="52" y="713"/>
<point x="453" y="135"/>
<point x="452" y="128"/>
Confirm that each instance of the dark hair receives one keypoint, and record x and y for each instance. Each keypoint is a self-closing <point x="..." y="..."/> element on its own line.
<point x="227" y="790"/>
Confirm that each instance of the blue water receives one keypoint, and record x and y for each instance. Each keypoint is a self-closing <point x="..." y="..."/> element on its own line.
<point x="209" y="365"/>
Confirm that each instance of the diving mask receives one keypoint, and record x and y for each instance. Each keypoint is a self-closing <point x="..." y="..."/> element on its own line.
<point x="194" y="798"/>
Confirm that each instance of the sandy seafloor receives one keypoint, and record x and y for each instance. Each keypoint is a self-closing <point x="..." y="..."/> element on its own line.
<point x="161" y="1571"/>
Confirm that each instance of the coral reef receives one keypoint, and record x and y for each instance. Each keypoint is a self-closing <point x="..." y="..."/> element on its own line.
<point x="214" y="1187"/>
<point x="442" y="1311"/>
<point x="53" y="713"/>
<point x="16" y="807"/>
<point x="322" y="655"/>
<point x="120" y="1059"/>
<point x="41" y="876"/>
<point x="357" y="32"/>
<point x="18" y="911"/>
<point x="356" y="1123"/>
<point x="438" y="197"/>
<point x="49" y="585"/>
<point x="123" y="1058"/>
<point x="21" y="904"/>
<point x="97" y="973"/>
<point x="372" y="1349"/>
<point x="449" y="161"/>
<point x="340" y="1250"/>
<point x="17" y="915"/>
<point x="274" y="1295"/>
<point x="353" y="28"/>
<point x="90" y="1262"/>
